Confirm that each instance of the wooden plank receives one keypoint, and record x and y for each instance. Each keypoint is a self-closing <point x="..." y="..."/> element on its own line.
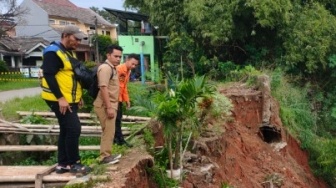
<point x="41" y="148"/>
<point x="43" y="126"/>
<point x="48" y="114"/>
<point x="58" y="178"/>
<point x="135" y="118"/>
<point x="81" y="115"/>
<point x="17" y="176"/>
<point x="44" y="133"/>
<point x="17" y="126"/>
<point x="17" y="185"/>
<point x="53" y="129"/>
<point x="97" y="123"/>
<point x="39" y="176"/>
<point x="19" y="173"/>
<point x="56" y="132"/>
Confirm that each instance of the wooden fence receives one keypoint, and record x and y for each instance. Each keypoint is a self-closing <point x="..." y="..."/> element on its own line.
<point x="92" y="130"/>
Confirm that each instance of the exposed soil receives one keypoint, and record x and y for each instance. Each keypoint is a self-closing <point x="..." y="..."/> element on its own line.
<point x="130" y="171"/>
<point x="237" y="156"/>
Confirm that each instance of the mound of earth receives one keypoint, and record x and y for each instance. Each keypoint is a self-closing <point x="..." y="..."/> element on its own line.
<point x="246" y="153"/>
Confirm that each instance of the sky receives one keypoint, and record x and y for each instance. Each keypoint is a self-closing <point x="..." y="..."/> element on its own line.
<point x="113" y="4"/>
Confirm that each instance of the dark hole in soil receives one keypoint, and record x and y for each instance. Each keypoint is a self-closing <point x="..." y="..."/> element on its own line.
<point x="270" y="134"/>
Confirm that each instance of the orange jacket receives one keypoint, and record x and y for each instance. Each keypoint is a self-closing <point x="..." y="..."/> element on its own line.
<point x="124" y="76"/>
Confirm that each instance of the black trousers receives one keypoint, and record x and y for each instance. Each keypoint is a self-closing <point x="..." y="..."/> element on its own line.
<point x="68" y="139"/>
<point x="118" y="136"/>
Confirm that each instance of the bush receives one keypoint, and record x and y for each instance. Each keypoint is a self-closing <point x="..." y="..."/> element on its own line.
<point x="3" y="66"/>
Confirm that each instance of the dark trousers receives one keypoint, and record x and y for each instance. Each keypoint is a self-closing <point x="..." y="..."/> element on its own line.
<point x="118" y="136"/>
<point x="68" y="139"/>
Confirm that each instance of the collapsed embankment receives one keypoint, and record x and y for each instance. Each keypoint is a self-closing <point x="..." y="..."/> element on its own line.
<point x="246" y="154"/>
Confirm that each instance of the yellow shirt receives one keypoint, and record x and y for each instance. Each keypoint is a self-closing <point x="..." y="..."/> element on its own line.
<point x="70" y="88"/>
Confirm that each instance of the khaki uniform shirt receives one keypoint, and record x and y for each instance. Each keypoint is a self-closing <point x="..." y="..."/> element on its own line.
<point x="104" y="74"/>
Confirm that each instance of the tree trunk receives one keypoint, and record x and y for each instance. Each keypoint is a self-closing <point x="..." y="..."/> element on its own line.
<point x="178" y="141"/>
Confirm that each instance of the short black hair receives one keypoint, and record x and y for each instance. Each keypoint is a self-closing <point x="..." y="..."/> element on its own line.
<point x="134" y="56"/>
<point x="112" y="47"/>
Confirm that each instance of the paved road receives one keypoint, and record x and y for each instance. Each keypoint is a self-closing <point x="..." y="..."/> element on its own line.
<point x="20" y="93"/>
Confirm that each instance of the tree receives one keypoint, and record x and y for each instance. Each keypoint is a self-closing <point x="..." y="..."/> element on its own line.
<point x="10" y="15"/>
<point x="245" y="31"/>
<point x="106" y="15"/>
<point x="103" y="42"/>
<point x="310" y="38"/>
<point x="177" y="111"/>
<point x="138" y="5"/>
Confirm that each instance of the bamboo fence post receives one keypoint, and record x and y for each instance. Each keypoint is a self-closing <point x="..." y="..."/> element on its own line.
<point x="12" y="124"/>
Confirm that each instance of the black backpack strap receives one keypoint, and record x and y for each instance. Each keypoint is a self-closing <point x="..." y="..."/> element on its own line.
<point x="111" y="68"/>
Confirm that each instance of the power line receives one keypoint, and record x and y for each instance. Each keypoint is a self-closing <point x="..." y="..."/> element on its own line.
<point x="42" y="32"/>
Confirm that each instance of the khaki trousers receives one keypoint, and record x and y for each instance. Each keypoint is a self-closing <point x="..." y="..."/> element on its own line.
<point x="108" y="130"/>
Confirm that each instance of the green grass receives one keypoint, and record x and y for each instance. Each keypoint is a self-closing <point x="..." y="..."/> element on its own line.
<point x="11" y="85"/>
<point x="10" y="107"/>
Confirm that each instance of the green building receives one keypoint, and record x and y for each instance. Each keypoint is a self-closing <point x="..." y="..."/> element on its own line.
<point x="144" y="46"/>
<point x="136" y="35"/>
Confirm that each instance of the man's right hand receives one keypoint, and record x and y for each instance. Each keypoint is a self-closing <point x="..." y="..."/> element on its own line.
<point x="63" y="105"/>
<point x="110" y="113"/>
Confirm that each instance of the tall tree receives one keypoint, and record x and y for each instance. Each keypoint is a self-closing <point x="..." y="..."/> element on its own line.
<point x="106" y="15"/>
<point x="310" y="38"/>
<point x="10" y="15"/>
<point x="246" y="31"/>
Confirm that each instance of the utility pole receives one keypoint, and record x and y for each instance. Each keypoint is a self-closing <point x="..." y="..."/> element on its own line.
<point x="97" y="48"/>
<point x="142" y="63"/>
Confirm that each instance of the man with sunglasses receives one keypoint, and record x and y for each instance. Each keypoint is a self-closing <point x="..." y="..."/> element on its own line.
<point x="63" y="94"/>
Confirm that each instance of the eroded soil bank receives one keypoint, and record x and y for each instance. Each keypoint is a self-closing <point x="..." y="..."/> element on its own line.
<point x="238" y="155"/>
<point x="241" y="157"/>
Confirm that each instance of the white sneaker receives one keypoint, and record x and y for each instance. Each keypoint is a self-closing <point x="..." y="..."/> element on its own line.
<point x="109" y="160"/>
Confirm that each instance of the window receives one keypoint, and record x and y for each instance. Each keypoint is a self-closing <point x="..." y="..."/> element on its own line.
<point x="103" y="32"/>
<point x="52" y="22"/>
<point x="70" y="23"/>
<point x="108" y="33"/>
<point x="62" y="22"/>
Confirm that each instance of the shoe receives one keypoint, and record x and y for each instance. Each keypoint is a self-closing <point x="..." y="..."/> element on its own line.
<point x="78" y="168"/>
<point x="113" y="159"/>
<point x="60" y="169"/>
<point x="116" y="156"/>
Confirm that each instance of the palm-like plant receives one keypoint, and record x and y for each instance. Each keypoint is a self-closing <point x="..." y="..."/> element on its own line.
<point x="177" y="112"/>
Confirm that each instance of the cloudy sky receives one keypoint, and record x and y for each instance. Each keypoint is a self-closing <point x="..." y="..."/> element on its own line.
<point x="113" y="4"/>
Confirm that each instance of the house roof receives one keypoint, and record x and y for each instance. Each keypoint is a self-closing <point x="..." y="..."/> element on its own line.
<point x="124" y="15"/>
<point x="66" y="9"/>
<point x="20" y="45"/>
<point x="28" y="43"/>
<point x="9" y="44"/>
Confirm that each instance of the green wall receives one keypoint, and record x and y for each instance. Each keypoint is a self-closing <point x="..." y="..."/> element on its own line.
<point x="132" y="44"/>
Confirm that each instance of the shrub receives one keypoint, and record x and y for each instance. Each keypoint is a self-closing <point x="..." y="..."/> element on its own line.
<point x="3" y="66"/>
